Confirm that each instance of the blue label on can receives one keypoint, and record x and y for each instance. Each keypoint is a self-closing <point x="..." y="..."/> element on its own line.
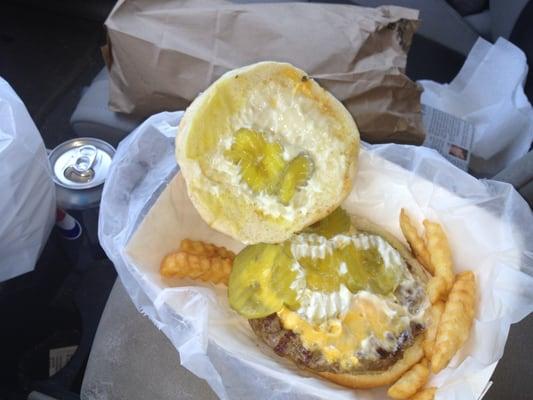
<point x="68" y="226"/>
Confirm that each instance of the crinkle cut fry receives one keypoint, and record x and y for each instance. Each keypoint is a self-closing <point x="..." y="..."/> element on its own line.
<point x="456" y="321"/>
<point x="200" y="248"/>
<point x="441" y="259"/>
<point x="425" y="394"/>
<point x="431" y="333"/>
<point x="439" y="252"/>
<point x="207" y="269"/>
<point x="436" y="289"/>
<point x="199" y="260"/>
<point x="416" y="242"/>
<point x="410" y="382"/>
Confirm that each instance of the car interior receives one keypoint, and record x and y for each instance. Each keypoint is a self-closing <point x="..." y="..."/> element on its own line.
<point x="51" y="54"/>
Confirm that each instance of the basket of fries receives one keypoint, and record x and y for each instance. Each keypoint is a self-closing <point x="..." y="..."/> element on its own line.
<point x="473" y="238"/>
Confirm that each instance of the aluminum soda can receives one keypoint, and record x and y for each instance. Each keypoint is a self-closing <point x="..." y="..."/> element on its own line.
<point x="80" y="167"/>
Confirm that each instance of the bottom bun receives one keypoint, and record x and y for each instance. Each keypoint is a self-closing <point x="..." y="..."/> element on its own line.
<point x="411" y="356"/>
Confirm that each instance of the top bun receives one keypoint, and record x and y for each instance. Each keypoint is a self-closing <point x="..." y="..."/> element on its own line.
<point x="265" y="152"/>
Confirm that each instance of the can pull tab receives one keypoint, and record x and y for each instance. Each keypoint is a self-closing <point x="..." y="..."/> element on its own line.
<point x="81" y="169"/>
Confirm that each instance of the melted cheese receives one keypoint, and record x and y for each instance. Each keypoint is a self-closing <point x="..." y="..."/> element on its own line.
<point x="370" y="322"/>
<point x="346" y="326"/>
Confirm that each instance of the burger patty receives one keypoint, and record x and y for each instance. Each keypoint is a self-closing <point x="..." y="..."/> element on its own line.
<point x="286" y="343"/>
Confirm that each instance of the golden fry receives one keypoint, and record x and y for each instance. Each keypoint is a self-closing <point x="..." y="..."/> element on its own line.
<point x="219" y="271"/>
<point x="410" y="382"/>
<point x="200" y="248"/>
<point x="431" y="333"/>
<point x="416" y="242"/>
<point x="210" y="269"/>
<point x="456" y="321"/>
<point x="440" y="254"/>
<point x="425" y="394"/>
<point x="436" y="289"/>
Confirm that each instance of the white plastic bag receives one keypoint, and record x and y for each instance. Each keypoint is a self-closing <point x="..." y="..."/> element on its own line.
<point x="488" y="223"/>
<point x="489" y="93"/>
<point x="27" y="192"/>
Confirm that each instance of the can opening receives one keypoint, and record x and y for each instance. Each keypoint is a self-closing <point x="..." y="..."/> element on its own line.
<point x="81" y="169"/>
<point x="81" y="163"/>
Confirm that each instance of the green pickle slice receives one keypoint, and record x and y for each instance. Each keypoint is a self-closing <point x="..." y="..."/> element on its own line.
<point x="252" y="290"/>
<point x="366" y="270"/>
<point x="261" y="162"/>
<point x="296" y="175"/>
<point x="263" y="167"/>
<point x="335" y="223"/>
<point x="322" y="274"/>
<point x="264" y="276"/>
<point x="249" y="291"/>
<point x="283" y="277"/>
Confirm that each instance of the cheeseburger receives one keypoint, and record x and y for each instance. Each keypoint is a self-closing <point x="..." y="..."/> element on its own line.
<point x="268" y="156"/>
<point x="343" y="299"/>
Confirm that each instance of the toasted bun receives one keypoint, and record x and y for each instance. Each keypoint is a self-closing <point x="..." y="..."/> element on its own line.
<point x="411" y="356"/>
<point x="283" y="103"/>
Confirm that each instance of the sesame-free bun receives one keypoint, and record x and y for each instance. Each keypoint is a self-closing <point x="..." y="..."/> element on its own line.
<point x="286" y="108"/>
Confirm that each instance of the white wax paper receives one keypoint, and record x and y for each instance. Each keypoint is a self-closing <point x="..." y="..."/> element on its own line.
<point x="145" y="213"/>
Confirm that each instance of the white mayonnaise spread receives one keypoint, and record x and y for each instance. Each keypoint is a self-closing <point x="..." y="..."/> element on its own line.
<point x="299" y="126"/>
<point x="317" y="306"/>
<point x="367" y="323"/>
<point x="316" y="246"/>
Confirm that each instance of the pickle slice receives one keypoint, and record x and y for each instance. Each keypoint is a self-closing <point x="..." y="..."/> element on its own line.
<point x="261" y="162"/>
<point x="250" y="289"/>
<point x="366" y="270"/>
<point x="296" y="175"/>
<point x="263" y="167"/>
<point x="266" y="277"/>
<point x="322" y="274"/>
<point x="284" y="277"/>
<point x="335" y="223"/>
<point x="355" y="277"/>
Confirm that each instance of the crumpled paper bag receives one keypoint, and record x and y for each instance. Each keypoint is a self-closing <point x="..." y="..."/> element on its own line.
<point x="489" y="93"/>
<point x="145" y="212"/>
<point x="162" y="54"/>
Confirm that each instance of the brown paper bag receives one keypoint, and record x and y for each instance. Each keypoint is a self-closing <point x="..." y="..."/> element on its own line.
<point x="162" y="53"/>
